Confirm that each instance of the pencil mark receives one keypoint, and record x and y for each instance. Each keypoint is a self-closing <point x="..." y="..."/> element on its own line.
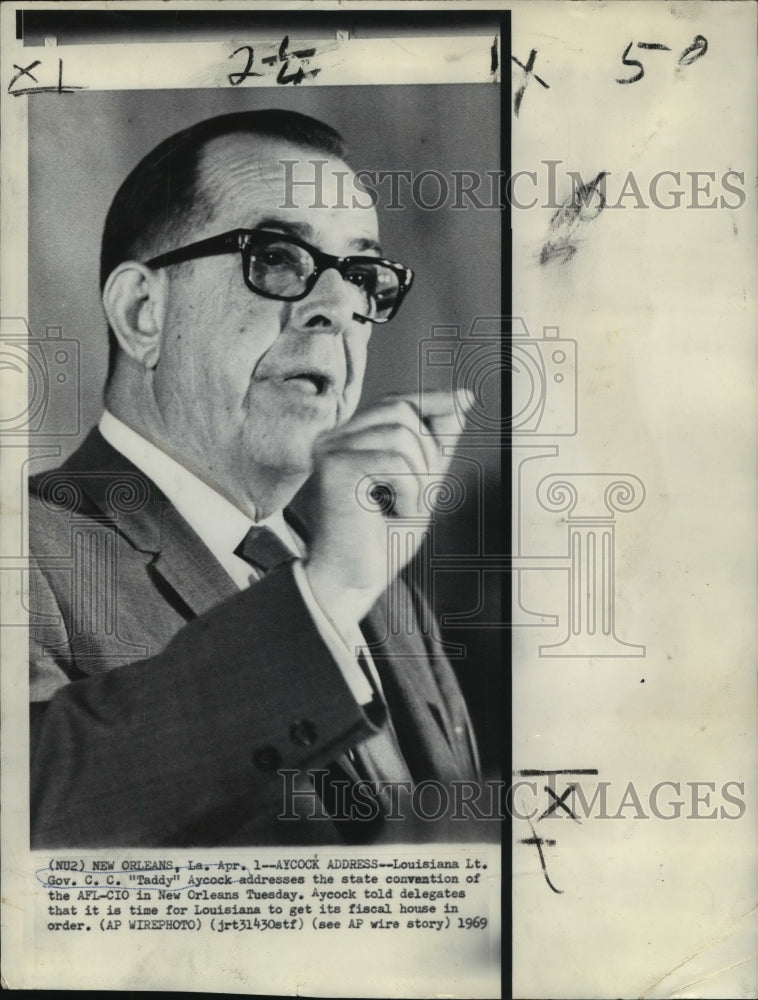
<point x="698" y="48"/>
<point x="24" y="71"/>
<point x="538" y="773"/>
<point x="694" y="51"/>
<point x="538" y="842"/>
<point x="283" y="57"/>
<point x="528" y="72"/>
<point x="586" y="202"/>
<point x="494" y="61"/>
<point x="235" y="79"/>
<point x="559" y="802"/>
<point x="57" y="88"/>
<point x="631" y="62"/>
<point x="303" y="56"/>
<point x="559" y="249"/>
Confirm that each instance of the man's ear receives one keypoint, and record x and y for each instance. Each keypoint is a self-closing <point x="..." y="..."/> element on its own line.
<point x="134" y="299"/>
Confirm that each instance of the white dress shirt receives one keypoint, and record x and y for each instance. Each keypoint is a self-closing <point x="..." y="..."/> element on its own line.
<point x="221" y="526"/>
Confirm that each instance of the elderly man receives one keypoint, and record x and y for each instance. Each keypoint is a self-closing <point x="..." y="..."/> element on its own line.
<point x="206" y="668"/>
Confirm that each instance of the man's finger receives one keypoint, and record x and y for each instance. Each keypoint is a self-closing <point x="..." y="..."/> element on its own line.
<point x="383" y="474"/>
<point x="442" y="414"/>
<point x="447" y="423"/>
<point x="435" y="403"/>
<point x="391" y="439"/>
<point x="388" y="414"/>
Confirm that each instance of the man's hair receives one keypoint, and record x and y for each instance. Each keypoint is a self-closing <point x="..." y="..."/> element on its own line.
<point x="162" y="199"/>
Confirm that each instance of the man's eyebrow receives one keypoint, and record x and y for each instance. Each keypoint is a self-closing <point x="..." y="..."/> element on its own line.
<point x="305" y="232"/>
<point x="364" y="243"/>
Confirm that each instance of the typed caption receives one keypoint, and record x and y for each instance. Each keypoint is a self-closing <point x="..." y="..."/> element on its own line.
<point x="300" y="894"/>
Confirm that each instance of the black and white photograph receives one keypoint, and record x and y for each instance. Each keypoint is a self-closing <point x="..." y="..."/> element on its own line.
<point x="231" y="692"/>
<point x="377" y="442"/>
<point x="258" y="615"/>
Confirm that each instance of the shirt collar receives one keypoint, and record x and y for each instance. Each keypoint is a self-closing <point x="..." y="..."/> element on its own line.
<point x="218" y="522"/>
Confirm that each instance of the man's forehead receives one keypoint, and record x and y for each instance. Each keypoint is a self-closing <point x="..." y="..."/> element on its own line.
<point x="248" y="175"/>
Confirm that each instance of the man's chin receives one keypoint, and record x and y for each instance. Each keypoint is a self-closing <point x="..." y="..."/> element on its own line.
<point x="290" y="452"/>
<point x="308" y="425"/>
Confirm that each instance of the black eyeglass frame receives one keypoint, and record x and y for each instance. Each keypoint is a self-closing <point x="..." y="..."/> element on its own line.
<point x="242" y="241"/>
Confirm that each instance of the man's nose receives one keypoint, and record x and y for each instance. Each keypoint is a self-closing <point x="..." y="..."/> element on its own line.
<point x="330" y="304"/>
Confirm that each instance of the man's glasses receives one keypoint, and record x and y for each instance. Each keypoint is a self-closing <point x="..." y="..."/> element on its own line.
<point x="287" y="268"/>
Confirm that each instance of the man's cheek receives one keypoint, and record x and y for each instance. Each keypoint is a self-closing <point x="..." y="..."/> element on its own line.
<point x="357" y="358"/>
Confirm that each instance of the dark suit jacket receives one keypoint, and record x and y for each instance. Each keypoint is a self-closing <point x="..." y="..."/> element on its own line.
<point x="164" y="700"/>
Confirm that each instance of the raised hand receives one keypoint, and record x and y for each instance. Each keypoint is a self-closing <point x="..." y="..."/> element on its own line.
<point x="373" y="468"/>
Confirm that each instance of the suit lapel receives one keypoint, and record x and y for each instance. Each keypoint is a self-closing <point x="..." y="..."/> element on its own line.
<point x="189" y="567"/>
<point x="425" y="714"/>
<point x="150" y="523"/>
<point x="426" y="708"/>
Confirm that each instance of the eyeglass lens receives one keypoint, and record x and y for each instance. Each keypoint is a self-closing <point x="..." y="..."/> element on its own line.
<point x="283" y="269"/>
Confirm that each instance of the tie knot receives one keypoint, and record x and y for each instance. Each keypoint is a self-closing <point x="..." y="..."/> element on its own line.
<point x="262" y="548"/>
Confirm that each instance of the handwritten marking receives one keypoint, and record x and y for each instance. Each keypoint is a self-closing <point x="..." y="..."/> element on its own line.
<point x="698" y="48"/>
<point x="284" y="57"/>
<point x="694" y="51"/>
<point x="56" y="89"/>
<point x="24" y="72"/>
<point x="538" y="842"/>
<point x="528" y="72"/>
<point x="559" y="802"/>
<point x="247" y="71"/>
<point x="303" y="55"/>
<point x="631" y="62"/>
<point x="587" y="201"/>
<point x="531" y="773"/>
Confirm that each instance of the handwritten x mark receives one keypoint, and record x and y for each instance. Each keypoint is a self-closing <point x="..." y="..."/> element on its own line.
<point x="24" y="72"/>
<point x="559" y="802"/>
<point x="528" y="71"/>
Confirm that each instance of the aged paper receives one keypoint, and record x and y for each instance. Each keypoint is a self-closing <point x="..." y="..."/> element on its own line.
<point x="634" y="514"/>
<point x="626" y="355"/>
<point x="415" y="112"/>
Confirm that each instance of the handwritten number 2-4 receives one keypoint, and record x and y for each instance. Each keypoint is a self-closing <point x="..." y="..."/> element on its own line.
<point x="284" y="58"/>
<point x="694" y="51"/>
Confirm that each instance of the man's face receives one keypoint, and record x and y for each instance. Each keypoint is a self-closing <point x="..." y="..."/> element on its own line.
<point x="245" y="384"/>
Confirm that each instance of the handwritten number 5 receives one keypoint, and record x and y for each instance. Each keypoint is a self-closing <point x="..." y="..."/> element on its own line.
<point x="631" y="62"/>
